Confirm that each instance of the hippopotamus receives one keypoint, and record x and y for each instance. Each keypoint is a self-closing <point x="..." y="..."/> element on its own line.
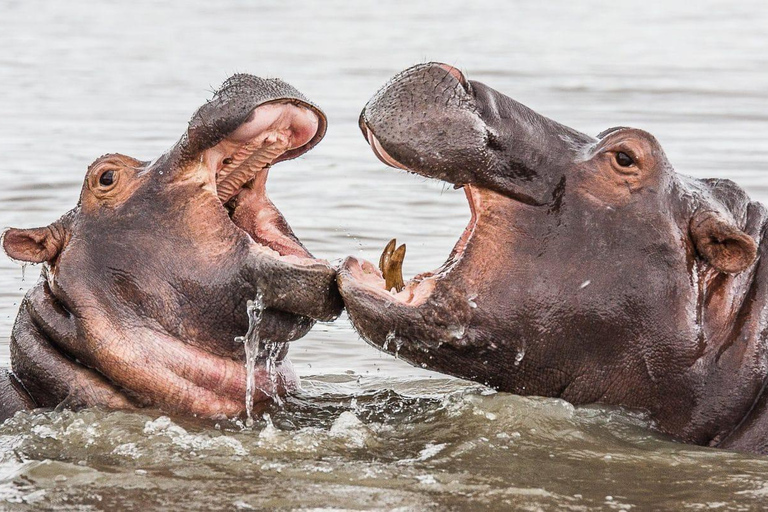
<point x="145" y="283"/>
<point x="589" y="271"/>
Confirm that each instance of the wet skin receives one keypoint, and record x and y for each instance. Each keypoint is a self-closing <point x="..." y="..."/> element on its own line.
<point x="590" y="270"/>
<point x="145" y="282"/>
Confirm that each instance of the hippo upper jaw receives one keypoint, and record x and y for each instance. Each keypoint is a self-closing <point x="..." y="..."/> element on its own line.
<point x="230" y="147"/>
<point x="473" y="134"/>
<point x="236" y="169"/>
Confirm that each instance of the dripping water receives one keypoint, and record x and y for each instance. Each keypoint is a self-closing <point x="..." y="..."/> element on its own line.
<point x="258" y="349"/>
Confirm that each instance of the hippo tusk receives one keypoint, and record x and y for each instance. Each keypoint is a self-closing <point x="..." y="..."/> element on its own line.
<point x="391" y="266"/>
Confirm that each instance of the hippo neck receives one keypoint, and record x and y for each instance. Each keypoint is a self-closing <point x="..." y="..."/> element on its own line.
<point x="739" y="355"/>
<point x="729" y="367"/>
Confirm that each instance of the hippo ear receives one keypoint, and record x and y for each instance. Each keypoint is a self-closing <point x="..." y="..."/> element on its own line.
<point x="32" y="245"/>
<point x="722" y="243"/>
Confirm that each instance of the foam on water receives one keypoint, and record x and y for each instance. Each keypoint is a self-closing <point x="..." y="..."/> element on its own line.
<point x="360" y="445"/>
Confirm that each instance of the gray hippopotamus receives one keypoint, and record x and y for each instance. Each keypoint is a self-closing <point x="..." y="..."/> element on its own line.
<point x="145" y="282"/>
<point x="590" y="270"/>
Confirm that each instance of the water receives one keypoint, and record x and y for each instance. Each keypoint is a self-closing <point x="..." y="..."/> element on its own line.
<point x="367" y="430"/>
<point x="261" y="351"/>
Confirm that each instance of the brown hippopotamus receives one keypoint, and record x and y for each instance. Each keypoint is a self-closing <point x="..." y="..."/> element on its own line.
<point x="590" y="270"/>
<point x="145" y="282"/>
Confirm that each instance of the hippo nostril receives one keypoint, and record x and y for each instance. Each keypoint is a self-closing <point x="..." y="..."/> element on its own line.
<point x="457" y="74"/>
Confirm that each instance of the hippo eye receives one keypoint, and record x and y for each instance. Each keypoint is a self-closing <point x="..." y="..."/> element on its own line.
<point x="107" y="179"/>
<point x="624" y="159"/>
<point x="227" y="161"/>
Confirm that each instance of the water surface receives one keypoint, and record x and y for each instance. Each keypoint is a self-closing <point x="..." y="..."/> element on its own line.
<point x="78" y="80"/>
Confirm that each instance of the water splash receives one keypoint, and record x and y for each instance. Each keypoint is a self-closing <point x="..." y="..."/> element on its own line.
<point x="389" y="339"/>
<point x="398" y="345"/>
<point x="519" y="356"/>
<point x="268" y="352"/>
<point x="258" y="349"/>
<point x="457" y="332"/>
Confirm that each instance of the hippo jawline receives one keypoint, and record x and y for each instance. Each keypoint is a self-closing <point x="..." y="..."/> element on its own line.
<point x="241" y="161"/>
<point x="417" y="290"/>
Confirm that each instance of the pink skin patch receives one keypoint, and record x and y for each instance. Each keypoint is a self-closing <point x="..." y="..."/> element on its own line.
<point x="290" y="125"/>
<point x="380" y="153"/>
<point x="455" y="73"/>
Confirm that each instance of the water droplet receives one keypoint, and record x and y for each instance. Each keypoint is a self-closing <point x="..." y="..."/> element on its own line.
<point x="398" y="346"/>
<point x="584" y="284"/>
<point x="457" y="331"/>
<point x="390" y="337"/>
<point x="519" y="356"/>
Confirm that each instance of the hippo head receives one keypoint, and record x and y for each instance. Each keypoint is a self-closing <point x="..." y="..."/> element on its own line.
<point x="145" y="282"/>
<point x="589" y="270"/>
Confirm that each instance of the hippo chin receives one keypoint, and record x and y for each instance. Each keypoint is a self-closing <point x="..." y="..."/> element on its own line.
<point x="145" y="282"/>
<point x="589" y="270"/>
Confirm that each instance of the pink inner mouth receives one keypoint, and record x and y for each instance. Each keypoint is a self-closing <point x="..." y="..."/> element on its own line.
<point x="240" y="164"/>
<point x="270" y="131"/>
<point x="418" y="289"/>
<point x="380" y="152"/>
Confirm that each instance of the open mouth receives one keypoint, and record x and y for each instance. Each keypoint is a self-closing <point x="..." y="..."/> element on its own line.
<point x="387" y="279"/>
<point x="241" y="161"/>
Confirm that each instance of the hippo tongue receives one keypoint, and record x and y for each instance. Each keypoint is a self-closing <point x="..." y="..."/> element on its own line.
<point x="252" y="211"/>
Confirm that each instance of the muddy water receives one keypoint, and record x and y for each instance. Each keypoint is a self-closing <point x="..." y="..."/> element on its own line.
<point x="367" y="431"/>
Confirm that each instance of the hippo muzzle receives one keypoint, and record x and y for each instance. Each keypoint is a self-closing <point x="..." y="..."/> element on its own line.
<point x="145" y="282"/>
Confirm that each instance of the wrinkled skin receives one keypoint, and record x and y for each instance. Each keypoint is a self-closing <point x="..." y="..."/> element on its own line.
<point x="589" y="271"/>
<point x="145" y="282"/>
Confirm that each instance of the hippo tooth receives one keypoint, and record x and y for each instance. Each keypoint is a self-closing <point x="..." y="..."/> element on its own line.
<point x="391" y="266"/>
<point x="240" y="156"/>
<point x="386" y="253"/>
<point x="238" y="174"/>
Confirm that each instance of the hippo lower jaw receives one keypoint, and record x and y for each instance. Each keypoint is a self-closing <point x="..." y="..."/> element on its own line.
<point x="290" y="278"/>
<point x="429" y="318"/>
<point x="417" y="291"/>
